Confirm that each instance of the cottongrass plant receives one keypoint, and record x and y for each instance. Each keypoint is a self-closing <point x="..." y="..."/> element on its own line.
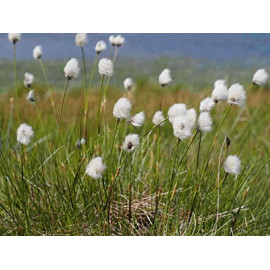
<point x="129" y="87"/>
<point x="14" y="38"/>
<point x="164" y="80"/>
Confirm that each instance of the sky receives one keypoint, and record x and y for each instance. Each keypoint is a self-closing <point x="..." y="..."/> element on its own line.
<point x="214" y="47"/>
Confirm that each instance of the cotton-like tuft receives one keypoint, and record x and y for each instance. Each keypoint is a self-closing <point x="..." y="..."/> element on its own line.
<point x="131" y="142"/>
<point x="31" y="96"/>
<point x="220" y="82"/>
<point x="184" y="124"/>
<point x="119" y="40"/>
<point x="122" y="108"/>
<point x="138" y="119"/>
<point x="105" y="67"/>
<point x="72" y="69"/>
<point x="260" y="77"/>
<point x="14" y="37"/>
<point x="205" y="122"/>
<point x="81" y="39"/>
<point x="232" y="165"/>
<point x="207" y="105"/>
<point x="95" y="168"/>
<point x="28" y="79"/>
<point x="25" y="134"/>
<point x="220" y="93"/>
<point x="165" y="77"/>
<point x="237" y="95"/>
<point x="176" y="110"/>
<point x="111" y="39"/>
<point x="37" y="52"/>
<point x="158" y="118"/>
<point x="128" y="83"/>
<point x="100" y="46"/>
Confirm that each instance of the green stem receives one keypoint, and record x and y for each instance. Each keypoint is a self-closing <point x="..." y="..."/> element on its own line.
<point x="85" y="97"/>
<point x="99" y="105"/>
<point x="48" y="88"/>
<point x="15" y="81"/>
<point x="161" y="98"/>
<point x="92" y="72"/>
<point x="62" y="105"/>
<point x="198" y="154"/>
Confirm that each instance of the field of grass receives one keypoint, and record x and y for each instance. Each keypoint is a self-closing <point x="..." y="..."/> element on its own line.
<point x="162" y="188"/>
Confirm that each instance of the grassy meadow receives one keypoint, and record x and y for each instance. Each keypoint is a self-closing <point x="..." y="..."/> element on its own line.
<point x="164" y="187"/>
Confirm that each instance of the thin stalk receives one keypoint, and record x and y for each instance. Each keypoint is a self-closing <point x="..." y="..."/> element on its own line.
<point x="99" y="105"/>
<point x="161" y="98"/>
<point x="198" y="153"/>
<point x="62" y="105"/>
<point x="130" y="189"/>
<point x="114" y="135"/>
<point x="15" y="82"/>
<point x="92" y="72"/>
<point x="48" y="88"/>
<point x="85" y="97"/>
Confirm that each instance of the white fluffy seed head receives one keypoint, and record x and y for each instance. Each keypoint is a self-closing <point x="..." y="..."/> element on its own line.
<point x="207" y="105"/>
<point x="138" y="119"/>
<point x="105" y="67"/>
<point x="95" y="168"/>
<point x="128" y="84"/>
<point x="232" y="165"/>
<point x="165" y="77"/>
<point x="119" y="40"/>
<point x="220" y="92"/>
<point x="260" y="77"/>
<point x="122" y="108"/>
<point x="14" y="37"/>
<point x="31" y="96"/>
<point x="237" y="95"/>
<point x="131" y="142"/>
<point x="205" y="122"/>
<point x="25" y="134"/>
<point x="184" y="124"/>
<point x="220" y="82"/>
<point x="28" y="79"/>
<point x="37" y="52"/>
<point x="176" y="110"/>
<point x="81" y="39"/>
<point x="111" y="39"/>
<point x="158" y="118"/>
<point x="72" y="69"/>
<point x="100" y="46"/>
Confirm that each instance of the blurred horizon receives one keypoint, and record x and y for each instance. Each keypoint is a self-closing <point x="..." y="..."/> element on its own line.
<point x="211" y="47"/>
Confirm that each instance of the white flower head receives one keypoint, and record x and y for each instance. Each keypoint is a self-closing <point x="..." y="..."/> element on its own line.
<point x="105" y="67"/>
<point x="131" y="142"/>
<point x="128" y="84"/>
<point x="25" y="134"/>
<point x="122" y="108"/>
<point x="176" y="110"/>
<point x="220" y="82"/>
<point x="37" y="52"/>
<point x="14" y="37"/>
<point x="184" y="124"/>
<point x="28" y="79"/>
<point x="72" y="69"/>
<point x="260" y="77"/>
<point x="205" y="122"/>
<point x="100" y="46"/>
<point x="232" y="165"/>
<point x="111" y="40"/>
<point x="138" y="119"/>
<point x="165" y="77"/>
<point x="81" y="39"/>
<point x="95" y="168"/>
<point x="237" y="95"/>
<point x="158" y="118"/>
<point x="207" y="105"/>
<point x="220" y="92"/>
<point x="83" y="141"/>
<point x="119" y="40"/>
<point x="31" y="96"/>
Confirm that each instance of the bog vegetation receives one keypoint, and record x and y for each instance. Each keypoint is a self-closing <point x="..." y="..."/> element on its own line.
<point x="147" y="160"/>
